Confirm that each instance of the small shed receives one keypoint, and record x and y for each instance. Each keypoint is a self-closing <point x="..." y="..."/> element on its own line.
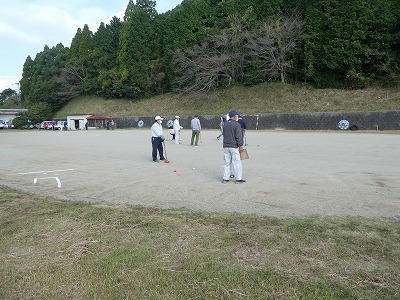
<point x="99" y="122"/>
<point x="77" y="122"/>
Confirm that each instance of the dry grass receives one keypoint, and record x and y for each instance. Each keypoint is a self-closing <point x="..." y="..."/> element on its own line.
<point x="260" y="99"/>
<point x="56" y="250"/>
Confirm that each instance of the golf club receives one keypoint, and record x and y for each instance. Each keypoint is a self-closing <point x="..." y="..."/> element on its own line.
<point x="166" y="156"/>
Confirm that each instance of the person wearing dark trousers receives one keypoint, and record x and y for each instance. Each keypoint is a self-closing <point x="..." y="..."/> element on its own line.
<point x="157" y="139"/>
<point x="243" y="125"/>
<point x="172" y="132"/>
<point x="221" y="126"/>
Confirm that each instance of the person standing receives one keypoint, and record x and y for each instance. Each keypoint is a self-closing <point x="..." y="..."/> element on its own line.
<point x="196" y="129"/>
<point x="171" y="131"/>
<point x="233" y="145"/>
<point x="157" y="139"/>
<point x="243" y="125"/>
<point x="221" y="127"/>
<point x="177" y="128"/>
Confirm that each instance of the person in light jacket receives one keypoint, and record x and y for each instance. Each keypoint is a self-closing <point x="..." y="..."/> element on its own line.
<point x="196" y="129"/>
<point x="177" y="128"/>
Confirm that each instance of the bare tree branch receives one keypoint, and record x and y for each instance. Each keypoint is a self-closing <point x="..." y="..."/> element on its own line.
<point x="219" y="60"/>
<point x="270" y="47"/>
<point x="236" y="54"/>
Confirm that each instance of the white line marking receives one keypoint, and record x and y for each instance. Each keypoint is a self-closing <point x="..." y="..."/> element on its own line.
<point x="56" y="178"/>
<point x="45" y="172"/>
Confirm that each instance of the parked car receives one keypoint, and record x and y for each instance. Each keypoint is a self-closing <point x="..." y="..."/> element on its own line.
<point x="28" y="125"/>
<point x="58" y="125"/>
<point x="44" y="124"/>
<point x="8" y="124"/>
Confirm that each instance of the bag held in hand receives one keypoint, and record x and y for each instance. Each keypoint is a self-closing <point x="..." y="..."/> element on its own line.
<point x="244" y="154"/>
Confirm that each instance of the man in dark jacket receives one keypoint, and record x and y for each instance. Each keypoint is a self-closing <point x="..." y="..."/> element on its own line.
<point x="233" y="145"/>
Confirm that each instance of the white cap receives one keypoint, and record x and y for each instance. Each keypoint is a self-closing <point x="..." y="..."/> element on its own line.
<point x="158" y="118"/>
<point x="177" y="117"/>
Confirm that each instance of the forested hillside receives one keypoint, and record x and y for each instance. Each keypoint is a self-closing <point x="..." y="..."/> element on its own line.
<point x="204" y="45"/>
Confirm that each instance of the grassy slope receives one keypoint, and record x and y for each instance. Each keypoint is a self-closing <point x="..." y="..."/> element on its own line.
<point x="263" y="98"/>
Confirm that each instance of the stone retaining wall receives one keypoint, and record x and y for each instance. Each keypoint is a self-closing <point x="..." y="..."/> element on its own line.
<point x="378" y="120"/>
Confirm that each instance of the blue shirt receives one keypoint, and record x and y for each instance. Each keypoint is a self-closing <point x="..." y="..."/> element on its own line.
<point x="195" y="124"/>
<point x="242" y="123"/>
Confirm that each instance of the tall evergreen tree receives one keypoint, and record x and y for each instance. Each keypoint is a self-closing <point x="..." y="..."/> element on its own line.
<point x="345" y="42"/>
<point x="140" y="53"/>
<point x="79" y="67"/>
<point x="103" y="57"/>
<point x="41" y="82"/>
<point x="263" y="9"/>
<point x="380" y="62"/>
<point x="27" y="76"/>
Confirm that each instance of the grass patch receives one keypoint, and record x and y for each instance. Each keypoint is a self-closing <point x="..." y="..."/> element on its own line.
<point x="53" y="249"/>
<point x="259" y="99"/>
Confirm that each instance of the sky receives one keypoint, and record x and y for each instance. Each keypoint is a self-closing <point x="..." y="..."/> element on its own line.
<point x="27" y="26"/>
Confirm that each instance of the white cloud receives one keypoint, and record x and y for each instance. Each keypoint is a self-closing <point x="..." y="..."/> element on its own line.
<point x="9" y="82"/>
<point x="8" y="31"/>
<point x="92" y="16"/>
<point x="42" y="25"/>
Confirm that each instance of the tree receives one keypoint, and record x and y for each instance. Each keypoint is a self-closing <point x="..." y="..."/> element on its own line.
<point x="217" y="61"/>
<point x="349" y="42"/>
<point x="382" y="36"/>
<point x="103" y="59"/>
<point x="78" y="70"/>
<point x="6" y="94"/>
<point x="36" y="113"/>
<point x="238" y="54"/>
<point x="10" y="98"/>
<point x="184" y="27"/>
<point x="41" y="83"/>
<point x="140" y="54"/>
<point x="270" y="47"/>
<point x="262" y="9"/>
<point x="27" y="77"/>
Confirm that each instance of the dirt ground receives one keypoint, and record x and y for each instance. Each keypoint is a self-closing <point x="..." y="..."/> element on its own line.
<point x="288" y="173"/>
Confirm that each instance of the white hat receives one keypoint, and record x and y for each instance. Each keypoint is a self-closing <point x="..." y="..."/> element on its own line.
<point x="177" y="117"/>
<point x="158" y="118"/>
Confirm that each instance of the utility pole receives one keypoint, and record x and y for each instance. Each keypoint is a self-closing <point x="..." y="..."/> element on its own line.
<point x="19" y="94"/>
